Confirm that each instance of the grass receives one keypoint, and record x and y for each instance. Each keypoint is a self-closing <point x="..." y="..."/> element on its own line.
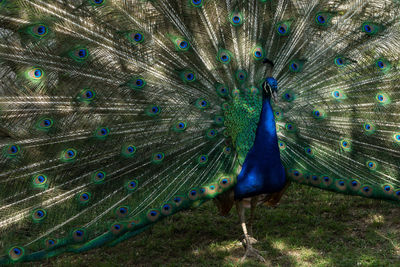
<point x="310" y="227"/>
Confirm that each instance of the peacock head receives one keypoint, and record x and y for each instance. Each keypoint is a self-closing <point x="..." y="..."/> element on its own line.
<point x="270" y="89"/>
<point x="270" y="85"/>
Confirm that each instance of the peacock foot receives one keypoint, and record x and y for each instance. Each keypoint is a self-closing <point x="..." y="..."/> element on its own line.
<point x="251" y="239"/>
<point x="252" y="252"/>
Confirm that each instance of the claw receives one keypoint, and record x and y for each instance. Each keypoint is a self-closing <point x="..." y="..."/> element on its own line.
<point x="252" y="241"/>
<point x="252" y="252"/>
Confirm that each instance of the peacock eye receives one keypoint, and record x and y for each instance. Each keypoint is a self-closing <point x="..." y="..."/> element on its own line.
<point x="183" y="44"/>
<point x="321" y="19"/>
<point x="197" y="2"/>
<point x="41" y="30"/>
<point x="98" y="2"/>
<point x="138" y="37"/>
<point x="81" y="53"/>
<point x="367" y="28"/>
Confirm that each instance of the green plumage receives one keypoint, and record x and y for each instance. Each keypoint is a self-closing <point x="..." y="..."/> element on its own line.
<point x="116" y="114"/>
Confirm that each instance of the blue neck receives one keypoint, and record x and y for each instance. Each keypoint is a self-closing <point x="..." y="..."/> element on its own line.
<point x="266" y="137"/>
<point x="262" y="171"/>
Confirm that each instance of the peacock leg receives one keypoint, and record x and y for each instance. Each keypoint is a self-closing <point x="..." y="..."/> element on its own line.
<point x="250" y="251"/>
<point x="253" y="205"/>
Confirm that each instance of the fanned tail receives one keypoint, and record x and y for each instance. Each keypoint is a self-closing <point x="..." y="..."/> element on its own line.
<point x="115" y="114"/>
<point x="112" y="122"/>
<point x="338" y="115"/>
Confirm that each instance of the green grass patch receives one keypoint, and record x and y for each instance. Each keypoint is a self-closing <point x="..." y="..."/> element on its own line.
<point x="310" y="227"/>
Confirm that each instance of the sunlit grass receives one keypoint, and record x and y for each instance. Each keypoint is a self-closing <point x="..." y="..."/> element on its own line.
<point x="309" y="228"/>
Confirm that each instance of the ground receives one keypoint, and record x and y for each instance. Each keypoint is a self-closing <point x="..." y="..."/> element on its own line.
<point x="310" y="227"/>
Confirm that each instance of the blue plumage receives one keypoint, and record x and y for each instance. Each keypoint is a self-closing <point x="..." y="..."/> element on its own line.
<point x="262" y="171"/>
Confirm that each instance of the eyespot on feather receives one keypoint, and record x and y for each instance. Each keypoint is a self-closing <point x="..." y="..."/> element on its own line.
<point x="97" y="3"/>
<point x="241" y="76"/>
<point x="211" y="133"/>
<point x="202" y="103"/>
<point x="101" y="133"/>
<point x="11" y="151"/>
<point x="196" y="3"/>
<point x="68" y="155"/>
<point x="283" y="28"/>
<point x="135" y="37"/>
<point x="38" y="215"/>
<point x="79" y="54"/>
<point x="99" y="177"/>
<point x="157" y="157"/>
<point x="236" y="19"/>
<point x="224" y="56"/>
<point x="16" y="253"/>
<point x="79" y="235"/>
<point x="179" y="126"/>
<point x="122" y="211"/>
<point x="222" y="90"/>
<point x="86" y="95"/>
<point x="132" y="185"/>
<point x="345" y="145"/>
<point x="83" y="198"/>
<point x="40" y="181"/>
<point x="188" y="76"/>
<point x="128" y="150"/>
<point x="35" y="74"/>
<point x="44" y="124"/>
<point x="258" y="53"/>
<point x="39" y="30"/>
<point x="202" y="160"/>
<point x="153" y="110"/>
<point x="153" y="215"/>
<point x="371" y="28"/>
<point x="323" y="19"/>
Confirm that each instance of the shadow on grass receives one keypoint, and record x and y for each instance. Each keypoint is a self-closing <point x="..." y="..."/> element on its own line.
<point x="310" y="228"/>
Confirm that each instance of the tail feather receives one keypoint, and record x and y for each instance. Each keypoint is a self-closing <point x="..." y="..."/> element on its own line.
<point x="115" y="114"/>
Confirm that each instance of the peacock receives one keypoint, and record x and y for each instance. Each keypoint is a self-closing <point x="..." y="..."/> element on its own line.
<point x="115" y="114"/>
